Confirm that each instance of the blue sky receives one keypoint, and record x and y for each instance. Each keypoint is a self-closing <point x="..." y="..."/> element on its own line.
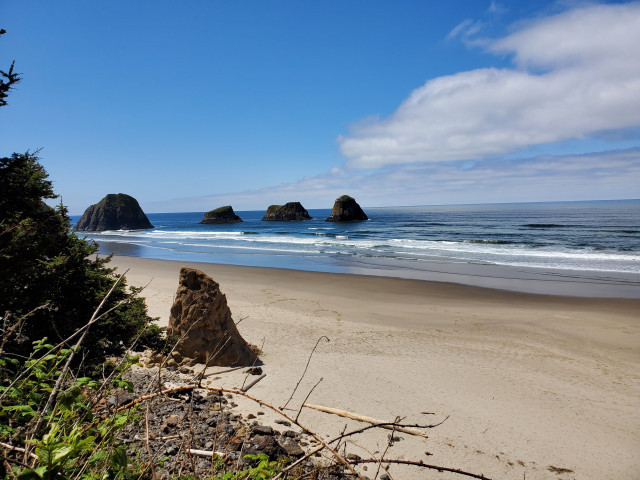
<point x="191" y="105"/>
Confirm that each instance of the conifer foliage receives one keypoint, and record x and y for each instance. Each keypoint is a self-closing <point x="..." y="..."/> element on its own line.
<point x="51" y="281"/>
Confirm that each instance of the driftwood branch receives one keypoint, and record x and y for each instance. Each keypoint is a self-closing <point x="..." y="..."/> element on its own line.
<point x="244" y="389"/>
<point x="204" y="453"/>
<point x="362" y="418"/>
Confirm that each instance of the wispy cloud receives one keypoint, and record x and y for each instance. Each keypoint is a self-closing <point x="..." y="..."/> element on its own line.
<point x="465" y="29"/>
<point x="496" y="8"/>
<point x="605" y="175"/>
<point x="575" y="74"/>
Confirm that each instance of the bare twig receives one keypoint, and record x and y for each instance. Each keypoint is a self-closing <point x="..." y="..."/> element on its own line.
<point x="298" y="462"/>
<point x="146" y="444"/>
<point x="389" y="443"/>
<point x="63" y="373"/>
<point x="306" y="398"/>
<point x="305" y="370"/>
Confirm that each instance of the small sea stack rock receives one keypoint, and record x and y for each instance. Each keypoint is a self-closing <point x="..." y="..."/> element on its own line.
<point x="346" y="209"/>
<point x="201" y="319"/>
<point x="116" y="211"/>
<point x="221" y="215"/>
<point x="289" y="212"/>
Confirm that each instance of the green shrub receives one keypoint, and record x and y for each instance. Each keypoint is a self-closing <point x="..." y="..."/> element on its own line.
<point x="51" y="281"/>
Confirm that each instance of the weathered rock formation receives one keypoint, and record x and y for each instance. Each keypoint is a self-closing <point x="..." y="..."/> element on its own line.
<point x="202" y="320"/>
<point x="221" y="215"/>
<point x="288" y="212"/>
<point x="346" y="209"/>
<point x="114" y="212"/>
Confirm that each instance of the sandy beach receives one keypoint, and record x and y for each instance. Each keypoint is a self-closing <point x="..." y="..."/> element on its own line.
<point x="531" y="386"/>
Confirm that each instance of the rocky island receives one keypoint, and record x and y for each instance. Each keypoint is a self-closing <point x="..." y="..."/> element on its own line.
<point x="346" y="209"/>
<point x="116" y="211"/>
<point x="292" y="211"/>
<point x="221" y="215"/>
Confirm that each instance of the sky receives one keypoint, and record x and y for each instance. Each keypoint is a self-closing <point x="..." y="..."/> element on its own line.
<point x="191" y="105"/>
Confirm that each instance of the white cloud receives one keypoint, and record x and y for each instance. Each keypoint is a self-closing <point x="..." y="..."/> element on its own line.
<point x="576" y="74"/>
<point x="606" y="175"/>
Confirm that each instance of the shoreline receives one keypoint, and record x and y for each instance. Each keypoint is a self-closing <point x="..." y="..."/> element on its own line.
<point x="527" y="381"/>
<point x="556" y="282"/>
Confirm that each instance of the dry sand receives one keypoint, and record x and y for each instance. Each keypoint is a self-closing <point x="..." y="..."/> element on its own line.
<point x="528" y="382"/>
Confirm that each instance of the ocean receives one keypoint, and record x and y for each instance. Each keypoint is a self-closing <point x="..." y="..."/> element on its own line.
<point x="589" y="241"/>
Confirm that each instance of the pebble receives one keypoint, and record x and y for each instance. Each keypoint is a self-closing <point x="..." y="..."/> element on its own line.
<point x="262" y="430"/>
<point x="171" y="451"/>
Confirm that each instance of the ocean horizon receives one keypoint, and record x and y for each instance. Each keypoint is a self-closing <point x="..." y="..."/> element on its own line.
<point x="587" y="241"/>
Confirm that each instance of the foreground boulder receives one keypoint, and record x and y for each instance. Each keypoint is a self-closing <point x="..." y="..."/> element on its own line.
<point x="221" y="215"/>
<point x="346" y="209"/>
<point x="202" y="320"/>
<point x="292" y="211"/>
<point x="114" y="212"/>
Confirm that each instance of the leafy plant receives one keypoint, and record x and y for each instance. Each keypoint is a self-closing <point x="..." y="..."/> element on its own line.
<point x="75" y="443"/>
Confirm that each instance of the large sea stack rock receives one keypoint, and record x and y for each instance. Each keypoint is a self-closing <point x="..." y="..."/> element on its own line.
<point x="346" y="209"/>
<point x="202" y="320"/>
<point x="114" y="212"/>
<point x="288" y="212"/>
<point x="221" y="215"/>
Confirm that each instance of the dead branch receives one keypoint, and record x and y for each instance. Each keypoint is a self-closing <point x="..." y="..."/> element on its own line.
<point x="146" y="444"/>
<point x="385" y="425"/>
<point x="419" y="464"/>
<point x="13" y="448"/>
<point x="206" y="375"/>
<point x="362" y="418"/>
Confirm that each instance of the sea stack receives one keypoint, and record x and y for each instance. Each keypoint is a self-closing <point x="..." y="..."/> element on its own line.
<point x="201" y="319"/>
<point x="116" y="211"/>
<point x="346" y="209"/>
<point x="292" y="211"/>
<point x="221" y="215"/>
